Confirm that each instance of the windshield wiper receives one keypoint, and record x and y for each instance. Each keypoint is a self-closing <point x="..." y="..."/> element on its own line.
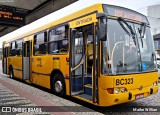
<point x="142" y="32"/>
<point x="120" y="20"/>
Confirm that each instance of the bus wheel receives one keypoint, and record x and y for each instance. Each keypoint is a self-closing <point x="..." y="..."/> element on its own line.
<point x="11" y="74"/>
<point x="58" y="85"/>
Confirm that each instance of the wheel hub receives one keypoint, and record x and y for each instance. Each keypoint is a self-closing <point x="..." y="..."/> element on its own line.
<point x="58" y="86"/>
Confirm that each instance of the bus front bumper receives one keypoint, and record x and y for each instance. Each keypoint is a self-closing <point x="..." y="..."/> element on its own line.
<point x="106" y="99"/>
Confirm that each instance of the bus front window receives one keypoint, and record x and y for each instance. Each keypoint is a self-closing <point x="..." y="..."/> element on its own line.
<point x="147" y="49"/>
<point x="120" y="51"/>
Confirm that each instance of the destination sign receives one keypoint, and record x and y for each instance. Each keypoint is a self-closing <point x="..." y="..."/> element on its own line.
<point x="12" y="18"/>
<point x="129" y="15"/>
<point x="124" y="13"/>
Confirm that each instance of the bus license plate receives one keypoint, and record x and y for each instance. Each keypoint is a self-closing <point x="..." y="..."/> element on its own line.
<point x="139" y="96"/>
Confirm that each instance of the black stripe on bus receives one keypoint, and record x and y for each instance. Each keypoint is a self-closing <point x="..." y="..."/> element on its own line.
<point x="17" y="69"/>
<point x="41" y="73"/>
<point x="47" y="74"/>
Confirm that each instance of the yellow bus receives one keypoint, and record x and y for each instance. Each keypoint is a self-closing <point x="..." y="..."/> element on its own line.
<point x="102" y="54"/>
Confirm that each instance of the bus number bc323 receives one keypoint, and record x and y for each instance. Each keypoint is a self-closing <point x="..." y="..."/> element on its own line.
<point x="124" y="81"/>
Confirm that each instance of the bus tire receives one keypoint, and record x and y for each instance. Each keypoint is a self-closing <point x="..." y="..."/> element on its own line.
<point x="58" y="85"/>
<point x="11" y="74"/>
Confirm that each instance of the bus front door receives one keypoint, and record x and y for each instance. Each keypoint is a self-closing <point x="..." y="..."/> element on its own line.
<point x="77" y="62"/>
<point x="26" y="53"/>
<point x="83" y="63"/>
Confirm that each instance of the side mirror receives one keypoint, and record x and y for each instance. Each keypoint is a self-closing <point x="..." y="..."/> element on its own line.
<point x="102" y="32"/>
<point x="102" y="17"/>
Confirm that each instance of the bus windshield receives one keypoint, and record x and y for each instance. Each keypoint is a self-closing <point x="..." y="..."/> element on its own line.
<point x="122" y="54"/>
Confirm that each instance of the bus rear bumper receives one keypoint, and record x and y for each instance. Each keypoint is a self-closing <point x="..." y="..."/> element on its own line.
<point x="106" y="99"/>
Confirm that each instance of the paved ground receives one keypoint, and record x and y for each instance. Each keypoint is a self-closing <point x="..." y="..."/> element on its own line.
<point x="15" y="93"/>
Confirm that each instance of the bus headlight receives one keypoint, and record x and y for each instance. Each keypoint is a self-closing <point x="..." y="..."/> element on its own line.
<point x="123" y="90"/>
<point x="117" y="90"/>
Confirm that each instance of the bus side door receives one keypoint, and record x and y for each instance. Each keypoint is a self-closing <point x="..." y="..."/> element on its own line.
<point x="26" y="53"/>
<point x="5" y="55"/>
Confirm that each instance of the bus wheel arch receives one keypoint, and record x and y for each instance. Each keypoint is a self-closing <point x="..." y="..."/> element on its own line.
<point x="11" y="73"/>
<point x="57" y="83"/>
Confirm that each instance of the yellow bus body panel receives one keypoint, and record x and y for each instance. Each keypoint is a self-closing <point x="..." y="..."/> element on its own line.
<point x="16" y="62"/>
<point x="144" y="80"/>
<point x="44" y="66"/>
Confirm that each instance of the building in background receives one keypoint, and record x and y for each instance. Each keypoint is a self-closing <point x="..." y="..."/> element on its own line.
<point x="153" y="13"/>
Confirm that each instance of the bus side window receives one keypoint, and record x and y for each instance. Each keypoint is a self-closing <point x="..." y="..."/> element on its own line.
<point x="40" y="43"/>
<point x="19" y="48"/>
<point x="13" y="49"/>
<point x="58" y="40"/>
